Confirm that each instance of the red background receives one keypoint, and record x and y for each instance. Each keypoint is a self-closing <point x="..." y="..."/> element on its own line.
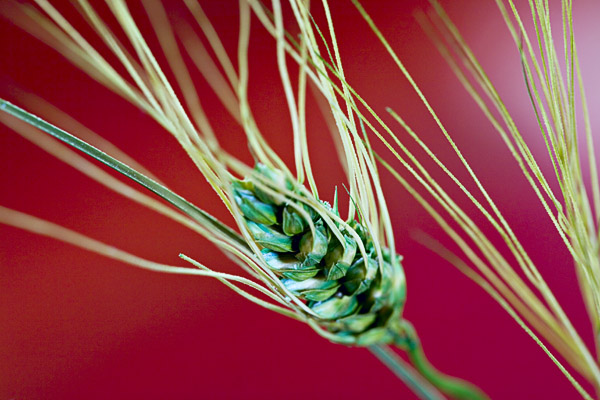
<point x="78" y="325"/>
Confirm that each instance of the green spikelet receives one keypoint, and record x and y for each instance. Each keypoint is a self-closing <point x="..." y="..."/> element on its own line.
<point x="355" y="298"/>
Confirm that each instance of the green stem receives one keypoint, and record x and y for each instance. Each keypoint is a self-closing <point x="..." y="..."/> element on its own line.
<point x="173" y="198"/>
<point x="411" y="378"/>
<point x="453" y="387"/>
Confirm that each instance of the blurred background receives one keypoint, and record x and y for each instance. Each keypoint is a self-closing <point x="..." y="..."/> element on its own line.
<point x="78" y="325"/>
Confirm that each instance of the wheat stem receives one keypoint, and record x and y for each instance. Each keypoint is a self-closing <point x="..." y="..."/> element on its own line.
<point x="129" y="172"/>
<point x="407" y="374"/>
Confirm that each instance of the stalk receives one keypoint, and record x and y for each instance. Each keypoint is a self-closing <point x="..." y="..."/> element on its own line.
<point x="155" y="187"/>
<point x="407" y="374"/>
<point x="454" y="387"/>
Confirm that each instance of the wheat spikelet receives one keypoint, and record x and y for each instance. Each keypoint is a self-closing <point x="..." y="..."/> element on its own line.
<point x="359" y="301"/>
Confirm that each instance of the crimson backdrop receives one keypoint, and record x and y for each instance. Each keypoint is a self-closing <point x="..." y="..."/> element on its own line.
<point x="77" y="325"/>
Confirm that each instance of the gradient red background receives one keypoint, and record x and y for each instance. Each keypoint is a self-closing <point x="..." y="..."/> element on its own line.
<point x="78" y="325"/>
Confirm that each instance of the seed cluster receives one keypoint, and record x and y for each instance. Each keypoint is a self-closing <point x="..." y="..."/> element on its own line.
<point x="356" y="299"/>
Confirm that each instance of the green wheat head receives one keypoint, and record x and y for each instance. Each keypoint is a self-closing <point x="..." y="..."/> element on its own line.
<point x="335" y="270"/>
